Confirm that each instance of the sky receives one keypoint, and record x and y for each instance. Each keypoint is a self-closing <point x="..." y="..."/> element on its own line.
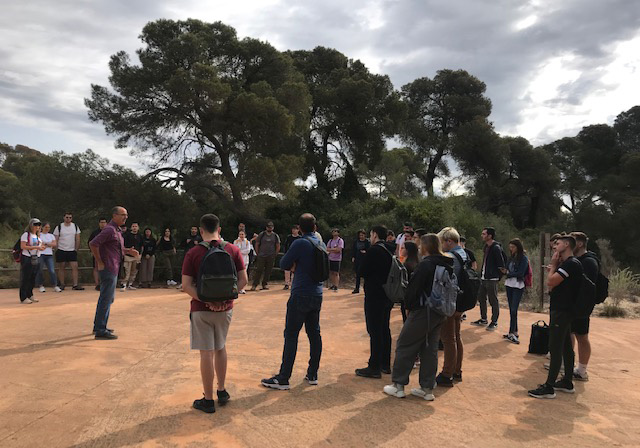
<point x="550" y="67"/>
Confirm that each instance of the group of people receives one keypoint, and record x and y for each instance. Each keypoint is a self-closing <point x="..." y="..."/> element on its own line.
<point x="424" y="255"/>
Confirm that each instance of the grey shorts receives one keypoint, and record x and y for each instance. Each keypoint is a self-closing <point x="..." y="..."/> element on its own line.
<point x="209" y="329"/>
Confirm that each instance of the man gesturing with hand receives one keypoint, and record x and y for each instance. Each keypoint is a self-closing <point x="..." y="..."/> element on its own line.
<point x="108" y="250"/>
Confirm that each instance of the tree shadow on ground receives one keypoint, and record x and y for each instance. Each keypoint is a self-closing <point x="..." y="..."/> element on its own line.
<point x="488" y="351"/>
<point x="182" y="424"/>
<point x="46" y="345"/>
<point x="543" y="418"/>
<point x="378" y="422"/>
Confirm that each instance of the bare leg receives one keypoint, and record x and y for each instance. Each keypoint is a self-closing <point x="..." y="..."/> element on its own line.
<point x="74" y="272"/>
<point x="221" y="367"/>
<point x="207" y="373"/>
<point x="60" y="268"/>
<point x="584" y="348"/>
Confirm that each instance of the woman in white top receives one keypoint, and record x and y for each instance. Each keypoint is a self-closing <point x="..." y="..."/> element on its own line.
<point x="31" y="245"/>
<point x="245" y="247"/>
<point x="46" y="259"/>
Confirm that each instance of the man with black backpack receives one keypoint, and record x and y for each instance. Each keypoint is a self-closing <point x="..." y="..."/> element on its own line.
<point x="580" y="325"/>
<point x="450" y="333"/>
<point x="492" y="261"/>
<point x="377" y="306"/>
<point x="309" y="258"/>
<point x="212" y="274"/>
<point x="564" y="282"/>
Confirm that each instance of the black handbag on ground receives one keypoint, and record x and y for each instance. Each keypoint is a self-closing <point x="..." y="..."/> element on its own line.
<point x="539" y="342"/>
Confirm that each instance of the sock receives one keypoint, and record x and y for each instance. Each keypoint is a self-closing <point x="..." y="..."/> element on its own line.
<point x="582" y="368"/>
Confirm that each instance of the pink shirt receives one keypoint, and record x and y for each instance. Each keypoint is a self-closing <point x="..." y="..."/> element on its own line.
<point x="333" y="243"/>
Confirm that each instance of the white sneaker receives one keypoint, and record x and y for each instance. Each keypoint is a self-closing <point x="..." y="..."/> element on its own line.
<point x="27" y="301"/>
<point x="580" y="376"/>
<point x="179" y="286"/>
<point x="171" y="283"/>
<point x="33" y="299"/>
<point x="57" y="289"/>
<point x="395" y="390"/>
<point x="426" y="394"/>
<point x="42" y="289"/>
<point x="131" y="287"/>
<point x="123" y="288"/>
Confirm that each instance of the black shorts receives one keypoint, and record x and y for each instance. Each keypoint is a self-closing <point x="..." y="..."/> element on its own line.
<point x="64" y="256"/>
<point x="334" y="266"/>
<point x="580" y="326"/>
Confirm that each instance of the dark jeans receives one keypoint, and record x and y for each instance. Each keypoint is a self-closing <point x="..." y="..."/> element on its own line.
<point x="419" y="336"/>
<point x="356" y="269"/>
<point x="28" y="274"/>
<point x="514" y="295"/>
<point x="560" y="346"/>
<point x="377" y="313"/>
<point x="263" y="269"/>
<point x="169" y="260"/>
<point x="108" y="281"/>
<point x="489" y="288"/>
<point x="301" y="309"/>
<point x="46" y="260"/>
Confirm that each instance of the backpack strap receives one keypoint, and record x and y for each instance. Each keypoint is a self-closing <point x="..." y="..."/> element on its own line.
<point x="386" y="250"/>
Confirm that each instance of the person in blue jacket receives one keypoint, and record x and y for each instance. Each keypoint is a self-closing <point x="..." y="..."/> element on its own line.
<point x="516" y="270"/>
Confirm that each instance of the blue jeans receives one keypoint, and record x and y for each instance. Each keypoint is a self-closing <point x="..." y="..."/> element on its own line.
<point x="514" y="295"/>
<point x="46" y="260"/>
<point x="301" y="309"/>
<point x="108" y="282"/>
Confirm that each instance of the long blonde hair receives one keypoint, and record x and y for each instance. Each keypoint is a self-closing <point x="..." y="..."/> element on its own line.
<point x="431" y="244"/>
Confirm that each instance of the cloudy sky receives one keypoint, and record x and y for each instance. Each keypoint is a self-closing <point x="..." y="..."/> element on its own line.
<point x="550" y="67"/>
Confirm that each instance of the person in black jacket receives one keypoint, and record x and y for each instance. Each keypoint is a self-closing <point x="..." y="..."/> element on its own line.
<point x="148" y="260"/>
<point x="377" y="307"/>
<point x="132" y="240"/>
<point x="492" y="265"/>
<point x="295" y="234"/>
<point x="421" y="332"/>
<point x="360" y="247"/>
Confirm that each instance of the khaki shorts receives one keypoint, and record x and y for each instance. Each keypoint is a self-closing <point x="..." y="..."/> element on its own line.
<point x="209" y="329"/>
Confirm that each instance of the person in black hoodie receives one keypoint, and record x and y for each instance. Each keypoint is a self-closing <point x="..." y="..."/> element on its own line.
<point x="377" y="307"/>
<point x="493" y="263"/>
<point x="148" y="260"/>
<point x="421" y="331"/>
<point x="360" y="247"/>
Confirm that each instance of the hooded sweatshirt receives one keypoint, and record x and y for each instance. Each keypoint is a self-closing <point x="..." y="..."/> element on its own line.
<point x="422" y="279"/>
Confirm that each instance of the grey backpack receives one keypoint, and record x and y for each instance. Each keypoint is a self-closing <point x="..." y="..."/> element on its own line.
<point x="444" y="292"/>
<point x="397" y="279"/>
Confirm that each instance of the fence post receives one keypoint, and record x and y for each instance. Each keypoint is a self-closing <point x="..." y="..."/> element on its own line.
<point x="544" y="245"/>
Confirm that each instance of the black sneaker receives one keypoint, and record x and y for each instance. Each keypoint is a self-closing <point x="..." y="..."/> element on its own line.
<point x="492" y="326"/>
<point x="106" y="335"/>
<point x="311" y="379"/>
<point x="265" y="288"/>
<point x="543" y="391"/>
<point x="457" y="377"/>
<point x="444" y="381"/>
<point x="286" y="287"/>
<point x="223" y="397"/>
<point x="78" y="288"/>
<point x="564" y="385"/>
<point x="275" y="383"/>
<point x="204" y="405"/>
<point x="355" y="291"/>
<point x="97" y="287"/>
<point x="386" y="370"/>
<point x="480" y="322"/>
<point x="110" y="330"/>
<point x="368" y="373"/>
<point x="62" y="287"/>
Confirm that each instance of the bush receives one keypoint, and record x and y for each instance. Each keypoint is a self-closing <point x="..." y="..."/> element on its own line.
<point x="622" y="284"/>
<point x="611" y="310"/>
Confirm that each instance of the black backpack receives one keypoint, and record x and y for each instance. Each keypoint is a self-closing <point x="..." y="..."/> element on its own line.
<point x="602" y="282"/>
<point x="17" y="251"/>
<point x="469" y="284"/>
<point x="217" y="277"/>
<point x="321" y="261"/>
<point x="585" y="297"/>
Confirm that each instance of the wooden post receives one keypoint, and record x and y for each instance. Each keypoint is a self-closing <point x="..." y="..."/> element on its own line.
<point x="544" y="246"/>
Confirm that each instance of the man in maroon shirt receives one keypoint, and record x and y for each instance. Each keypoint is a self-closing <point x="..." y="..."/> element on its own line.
<point x="108" y="250"/>
<point x="210" y="320"/>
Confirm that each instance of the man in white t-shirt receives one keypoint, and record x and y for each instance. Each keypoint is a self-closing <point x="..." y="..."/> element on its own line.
<point x="68" y="241"/>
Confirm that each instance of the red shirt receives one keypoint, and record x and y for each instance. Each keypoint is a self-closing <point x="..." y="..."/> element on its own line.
<point x="191" y="267"/>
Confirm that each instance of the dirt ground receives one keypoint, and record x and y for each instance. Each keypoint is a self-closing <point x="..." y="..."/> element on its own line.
<point x="62" y="388"/>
